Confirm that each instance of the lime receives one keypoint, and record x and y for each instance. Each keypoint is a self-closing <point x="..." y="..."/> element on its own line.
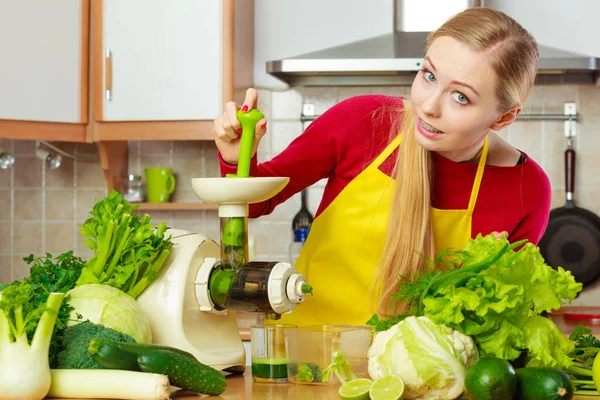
<point x="356" y="389"/>
<point x="491" y="378"/>
<point x="388" y="387"/>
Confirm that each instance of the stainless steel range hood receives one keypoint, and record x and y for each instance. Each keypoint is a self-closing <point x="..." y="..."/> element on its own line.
<point x="395" y="58"/>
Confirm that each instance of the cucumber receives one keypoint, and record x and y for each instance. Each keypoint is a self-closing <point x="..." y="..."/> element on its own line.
<point x="183" y="372"/>
<point x="111" y="354"/>
<point x="543" y="383"/>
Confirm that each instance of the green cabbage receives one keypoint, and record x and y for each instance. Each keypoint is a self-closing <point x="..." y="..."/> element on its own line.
<point x="431" y="359"/>
<point x="112" y="308"/>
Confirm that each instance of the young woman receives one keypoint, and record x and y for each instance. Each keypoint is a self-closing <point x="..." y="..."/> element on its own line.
<point x="408" y="177"/>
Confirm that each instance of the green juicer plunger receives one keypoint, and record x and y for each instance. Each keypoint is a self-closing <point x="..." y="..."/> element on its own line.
<point x="234" y="233"/>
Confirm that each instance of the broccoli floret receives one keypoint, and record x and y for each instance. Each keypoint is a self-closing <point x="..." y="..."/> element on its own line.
<point x="309" y="372"/>
<point x="74" y="353"/>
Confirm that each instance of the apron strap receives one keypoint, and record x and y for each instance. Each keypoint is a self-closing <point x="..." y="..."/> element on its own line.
<point x="387" y="151"/>
<point x="478" y="175"/>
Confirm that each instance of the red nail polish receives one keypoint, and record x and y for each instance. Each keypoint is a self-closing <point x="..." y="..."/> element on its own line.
<point x="245" y="108"/>
<point x="239" y="130"/>
<point x="263" y="125"/>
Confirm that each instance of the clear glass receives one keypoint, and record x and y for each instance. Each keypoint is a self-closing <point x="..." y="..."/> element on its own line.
<point x="312" y="348"/>
<point x="132" y="189"/>
<point x="268" y="354"/>
<point x="234" y="241"/>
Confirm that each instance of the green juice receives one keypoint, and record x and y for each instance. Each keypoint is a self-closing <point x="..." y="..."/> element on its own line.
<point x="269" y="368"/>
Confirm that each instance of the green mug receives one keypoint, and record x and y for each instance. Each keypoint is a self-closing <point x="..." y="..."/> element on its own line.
<point x="160" y="183"/>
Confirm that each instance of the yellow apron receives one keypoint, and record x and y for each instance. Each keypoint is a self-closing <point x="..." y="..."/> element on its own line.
<point x="346" y="242"/>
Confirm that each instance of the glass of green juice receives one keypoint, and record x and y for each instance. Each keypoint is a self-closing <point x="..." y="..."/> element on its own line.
<point x="269" y="359"/>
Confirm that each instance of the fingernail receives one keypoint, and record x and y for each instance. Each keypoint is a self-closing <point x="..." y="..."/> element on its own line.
<point x="245" y="108"/>
<point x="239" y="130"/>
<point x="263" y="125"/>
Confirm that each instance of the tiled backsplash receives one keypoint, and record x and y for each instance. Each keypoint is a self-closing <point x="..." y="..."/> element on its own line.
<point x="42" y="209"/>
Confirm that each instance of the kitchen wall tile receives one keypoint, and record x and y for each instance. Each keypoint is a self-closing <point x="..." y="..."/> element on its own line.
<point x="588" y="198"/>
<point x="20" y="269"/>
<point x="555" y="97"/>
<point x="191" y="215"/>
<point x="352" y="91"/>
<point x="60" y="205"/>
<point x="86" y="149"/>
<point x="322" y="98"/>
<point x="526" y="136"/>
<point x="6" y="239"/>
<point x="284" y="211"/>
<point x="90" y="175"/>
<point x="589" y="101"/>
<point x="6" y="269"/>
<point x="587" y="168"/>
<point x="264" y="102"/>
<point x="27" y="238"/>
<point x="158" y="147"/>
<point x="85" y="200"/>
<point x="28" y="204"/>
<point x="186" y="168"/>
<point x="286" y="104"/>
<point x="188" y="148"/>
<point x="391" y="90"/>
<point x="558" y="198"/>
<point x="155" y="161"/>
<point x="6" y="202"/>
<point x="184" y="195"/>
<point x="6" y="176"/>
<point x="535" y="101"/>
<point x="284" y="132"/>
<point x="81" y="250"/>
<point x="212" y="167"/>
<point x="60" y="237"/>
<point x="24" y="148"/>
<point x="62" y="177"/>
<point x="588" y="135"/>
<point x="27" y="172"/>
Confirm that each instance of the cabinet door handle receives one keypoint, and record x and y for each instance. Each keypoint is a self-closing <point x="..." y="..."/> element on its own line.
<point x="108" y="74"/>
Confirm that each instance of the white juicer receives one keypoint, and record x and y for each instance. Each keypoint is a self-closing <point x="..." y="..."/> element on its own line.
<point x="191" y="305"/>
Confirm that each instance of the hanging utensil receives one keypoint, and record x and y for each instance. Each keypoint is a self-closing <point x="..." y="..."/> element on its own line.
<point x="572" y="238"/>
<point x="303" y="219"/>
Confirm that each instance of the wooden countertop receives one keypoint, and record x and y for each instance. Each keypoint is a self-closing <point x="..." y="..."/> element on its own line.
<point x="242" y="387"/>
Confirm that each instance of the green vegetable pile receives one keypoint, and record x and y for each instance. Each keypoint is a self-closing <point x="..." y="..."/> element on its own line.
<point x="48" y="275"/>
<point x="128" y="253"/>
<point x="495" y="294"/>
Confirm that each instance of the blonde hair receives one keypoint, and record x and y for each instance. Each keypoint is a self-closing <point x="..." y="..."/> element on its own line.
<point x="410" y="243"/>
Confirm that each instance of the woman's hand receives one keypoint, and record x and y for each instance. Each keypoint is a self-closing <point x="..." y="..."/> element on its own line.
<point x="227" y="128"/>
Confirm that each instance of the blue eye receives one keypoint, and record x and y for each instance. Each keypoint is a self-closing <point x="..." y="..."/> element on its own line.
<point x="461" y="98"/>
<point x="429" y="76"/>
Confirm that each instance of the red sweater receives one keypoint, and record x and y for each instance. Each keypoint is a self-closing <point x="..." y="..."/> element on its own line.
<point x="348" y="137"/>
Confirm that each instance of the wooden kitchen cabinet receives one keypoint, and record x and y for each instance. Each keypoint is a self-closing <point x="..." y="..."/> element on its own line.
<point x="109" y="71"/>
<point x="163" y="70"/>
<point x="44" y="69"/>
<point x="162" y="60"/>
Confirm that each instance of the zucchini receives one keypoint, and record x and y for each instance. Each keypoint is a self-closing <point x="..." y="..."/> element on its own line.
<point x="543" y="383"/>
<point x="111" y="354"/>
<point x="183" y="372"/>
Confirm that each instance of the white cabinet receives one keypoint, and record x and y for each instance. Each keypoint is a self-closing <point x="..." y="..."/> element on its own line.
<point x="163" y="60"/>
<point x="43" y="69"/>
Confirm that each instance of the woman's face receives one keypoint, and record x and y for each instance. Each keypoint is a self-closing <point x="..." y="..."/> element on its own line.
<point x="454" y="100"/>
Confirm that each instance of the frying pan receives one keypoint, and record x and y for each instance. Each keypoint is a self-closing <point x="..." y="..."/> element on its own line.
<point x="572" y="238"/>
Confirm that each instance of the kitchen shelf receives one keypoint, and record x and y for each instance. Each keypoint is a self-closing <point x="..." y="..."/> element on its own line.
<point x="176" y="206"/>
